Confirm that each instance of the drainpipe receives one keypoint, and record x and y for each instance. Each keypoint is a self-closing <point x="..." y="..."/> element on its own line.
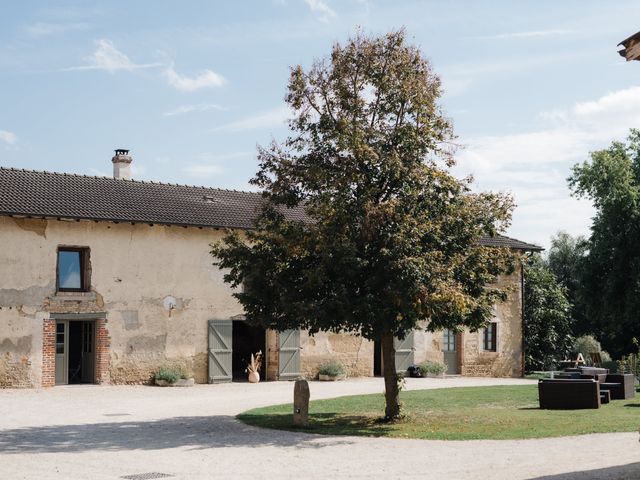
<point x="522" y="314"/>
<point x="522" y="287"/>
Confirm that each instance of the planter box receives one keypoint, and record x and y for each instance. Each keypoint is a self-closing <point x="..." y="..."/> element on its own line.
<point x="433" y="375"/>
<point x="331" y="378"/>
<point x="182" y="382"/>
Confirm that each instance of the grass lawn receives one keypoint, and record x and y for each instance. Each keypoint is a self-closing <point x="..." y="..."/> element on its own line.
<point x="501" y="412"/>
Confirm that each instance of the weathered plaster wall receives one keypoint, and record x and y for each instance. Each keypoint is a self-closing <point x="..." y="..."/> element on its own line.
<point x="138" y="272"/>
<point x="158" y="288"/>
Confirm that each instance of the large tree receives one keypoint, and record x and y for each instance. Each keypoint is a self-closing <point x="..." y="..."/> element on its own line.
<point x="611" y="275"/>
<point x="566" y="259"/>
<point x="390" y="241"/>
<point x="547" y="318"/>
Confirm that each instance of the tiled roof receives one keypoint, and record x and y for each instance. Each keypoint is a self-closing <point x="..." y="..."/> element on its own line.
<point x="504" y="241"/>
<point x="61" y="195"/>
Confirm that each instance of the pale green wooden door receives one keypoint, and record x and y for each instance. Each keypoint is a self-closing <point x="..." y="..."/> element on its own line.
<point x="220" y="350"/>
<point x="450" y="351"/>
<point x="404" y="352"/>
<point x="62" y="353"/>
<point x="289" y="362"/>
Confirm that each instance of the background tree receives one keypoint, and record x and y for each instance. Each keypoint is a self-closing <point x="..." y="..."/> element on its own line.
<point x="566" y="259"/>
<point x="390" y="242"/>
<point x="547" y="318"/>
<point x="611" y="279"/>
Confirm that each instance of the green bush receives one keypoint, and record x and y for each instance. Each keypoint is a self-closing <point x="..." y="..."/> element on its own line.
<point x="586" y="345"/>
<point x="432" y="368"/>
<point x="333" y="368"/>
<point x="168" y="374"/>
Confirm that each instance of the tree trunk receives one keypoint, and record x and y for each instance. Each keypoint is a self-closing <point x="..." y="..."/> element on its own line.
<point x="391" y="390"/>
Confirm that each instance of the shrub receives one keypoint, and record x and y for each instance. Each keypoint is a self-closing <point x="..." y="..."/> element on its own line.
<point x="333" y="368"/>
<point x="168" y="374"/>
<point x="432" y="368"/>
<point x="586" y="345"/>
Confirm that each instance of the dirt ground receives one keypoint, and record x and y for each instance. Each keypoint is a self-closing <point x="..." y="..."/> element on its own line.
<point x="94" y="432"/>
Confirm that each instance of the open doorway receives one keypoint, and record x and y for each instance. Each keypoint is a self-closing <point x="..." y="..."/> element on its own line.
<point x="75" y="352"/>
<point x="377" y="359"/>
<point x="246" y="339"/>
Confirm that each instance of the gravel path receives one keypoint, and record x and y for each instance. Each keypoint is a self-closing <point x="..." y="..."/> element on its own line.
<point x="91" y="432"/>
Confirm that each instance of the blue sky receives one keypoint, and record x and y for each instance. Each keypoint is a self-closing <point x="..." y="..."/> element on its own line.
<point x="192" y="87"/>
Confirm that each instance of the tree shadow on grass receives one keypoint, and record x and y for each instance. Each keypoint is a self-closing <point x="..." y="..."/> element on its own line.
<point x="632" y="404"/>
<point x="323" y="423"/>
<point x="619" y="472"/>
<point x="195" y="432"/>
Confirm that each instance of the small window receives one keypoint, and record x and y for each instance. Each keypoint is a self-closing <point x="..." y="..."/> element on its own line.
<point x="449" y="340"/>
<point x="72" y="275"/>
<point x="490" y="337"/>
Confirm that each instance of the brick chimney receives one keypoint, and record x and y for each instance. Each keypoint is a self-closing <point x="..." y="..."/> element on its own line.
<point x="122" y="164"/>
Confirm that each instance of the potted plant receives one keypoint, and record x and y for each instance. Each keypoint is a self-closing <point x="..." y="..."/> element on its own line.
<point x="433" y="369"/>
<point x="253" y="367"/>
<point x="172" y="377"/>
<point x="332" y="371"/>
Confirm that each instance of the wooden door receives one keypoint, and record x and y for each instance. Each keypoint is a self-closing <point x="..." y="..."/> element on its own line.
<point x="62" y="352"/>
<point x="220" y="351"/>
<point x="289" y="364"/>
<point x="404" y="352"/>
<point x="88" y="352"/>
<point x="450" y="351"/>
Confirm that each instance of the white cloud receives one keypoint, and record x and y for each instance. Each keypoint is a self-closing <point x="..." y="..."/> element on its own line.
<point x="202" y="107"/>
<point x="459" y="77"/>
<point x="8" y="137"/>
<point x="527" y="34"/>
<point x="270" y="119"/>
<point x="45" y="29"/>
<point x="205" y="79"/>
<point x="107" y="57"/>
<point x="534" y="165"/>
<point x="202" y="170"/>
<point x="321" y="9"/>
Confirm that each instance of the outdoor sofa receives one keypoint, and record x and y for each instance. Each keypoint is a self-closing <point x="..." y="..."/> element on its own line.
<point x="569" y="394"/>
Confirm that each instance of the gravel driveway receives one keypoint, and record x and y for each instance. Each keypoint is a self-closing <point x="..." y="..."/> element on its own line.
<point x="95" y="432"/>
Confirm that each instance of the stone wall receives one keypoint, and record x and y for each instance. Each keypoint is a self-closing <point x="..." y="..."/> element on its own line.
<point x="506" y="361"/>
<point x="353" y="351"/>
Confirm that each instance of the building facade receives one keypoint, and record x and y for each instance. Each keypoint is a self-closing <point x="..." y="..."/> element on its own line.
<point x="104" y="280"/>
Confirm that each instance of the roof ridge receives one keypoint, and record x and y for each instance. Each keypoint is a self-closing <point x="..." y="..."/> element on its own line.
<point x="146" y="182"/>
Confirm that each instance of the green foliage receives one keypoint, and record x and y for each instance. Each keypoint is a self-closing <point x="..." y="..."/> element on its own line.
<point x="566" y="259"/>
<point x="629" y="363"/>
<point x="547" y="320"/>
<point x="168" y="374"/>
<point x="390" y="238"/>
<point x="610" y="291"/>
<point x="432" y="368"/>
<point x="586" y="345"/>
<point x="332" y="368"/>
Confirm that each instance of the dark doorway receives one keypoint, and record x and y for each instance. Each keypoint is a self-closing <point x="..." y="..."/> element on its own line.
<point x="246" y="340"/>
<point x="81" y="352"/>
<point x="377" y="359"/>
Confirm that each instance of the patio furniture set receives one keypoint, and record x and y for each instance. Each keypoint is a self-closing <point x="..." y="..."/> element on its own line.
<point x="584" y="387"/>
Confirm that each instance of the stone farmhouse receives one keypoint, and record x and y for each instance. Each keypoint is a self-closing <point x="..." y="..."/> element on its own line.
<point x="104" y="280"/>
